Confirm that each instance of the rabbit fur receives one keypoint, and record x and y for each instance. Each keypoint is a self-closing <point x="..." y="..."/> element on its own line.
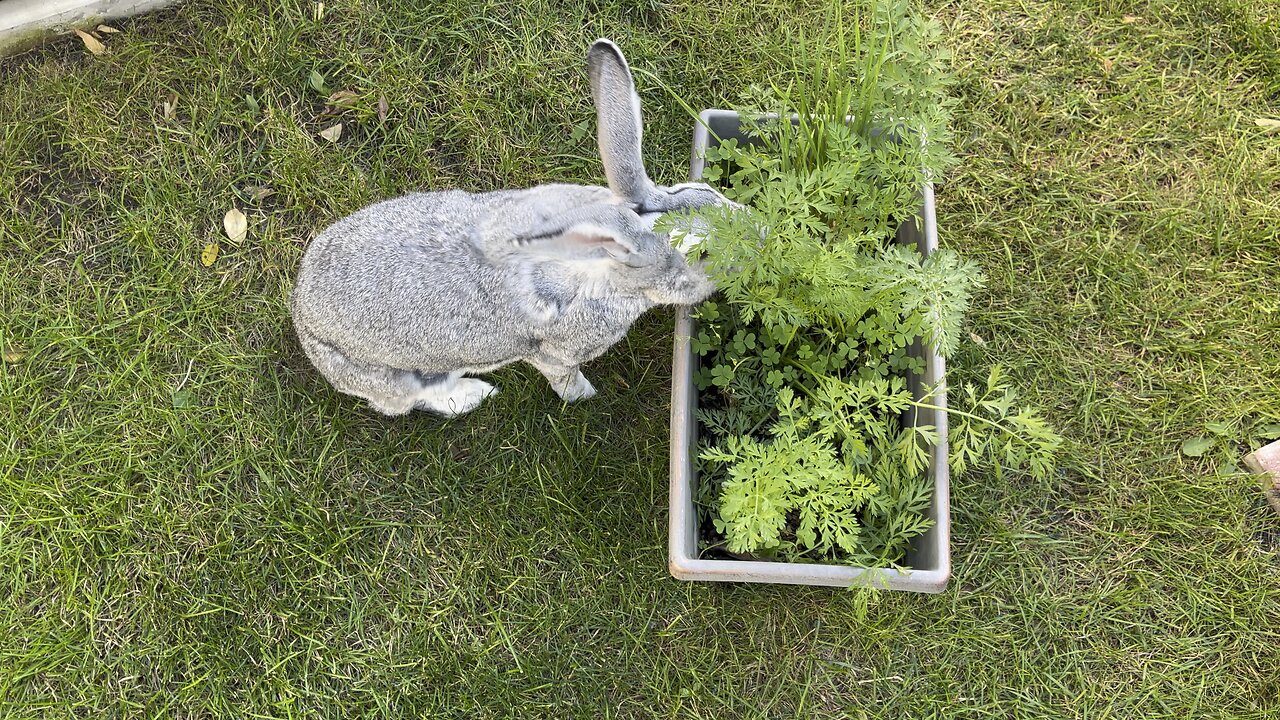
<point x="399" y="302"/>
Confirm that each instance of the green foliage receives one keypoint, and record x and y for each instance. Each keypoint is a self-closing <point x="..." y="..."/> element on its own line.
<point x="834" y="166"/>
<point x="805" y="365"/>
<point x="1022" y="438"/>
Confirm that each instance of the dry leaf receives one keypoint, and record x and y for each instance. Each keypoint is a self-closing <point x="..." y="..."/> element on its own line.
<point x="1107" y="64"/>
<point x="258" y="193"/>
<point x="236" y="225"/>
<point x="1131" y="19"/>
<point x="12" y="355"/>
<point x="332" y="134"/>
<point x="91" y="42"/>
<point x="107" y="29"/>
<point x="209" y="254"/>
<point x="383" y="107"/>
<point x="977" y="339"/>
<point x="344" y="98"/>
<point x="170" y="105"/>
<point x="1268" y="123"/>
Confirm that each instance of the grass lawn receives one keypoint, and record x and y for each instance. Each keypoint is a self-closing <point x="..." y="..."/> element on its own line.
<point x="193" y="524"/>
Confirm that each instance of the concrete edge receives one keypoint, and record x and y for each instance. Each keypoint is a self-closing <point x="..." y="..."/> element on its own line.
<point x="26" y="23"/>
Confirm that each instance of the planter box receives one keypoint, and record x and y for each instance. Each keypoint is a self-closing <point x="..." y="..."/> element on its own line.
<point x="930" y="557"/>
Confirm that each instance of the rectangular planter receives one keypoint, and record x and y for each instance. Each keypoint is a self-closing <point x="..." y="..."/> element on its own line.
<point x="930" y="557"/>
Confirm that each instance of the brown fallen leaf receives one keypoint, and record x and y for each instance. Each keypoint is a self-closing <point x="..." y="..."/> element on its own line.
<point x="1267" y="123"/>
<point x="92" y="43"/>
<point x="107" y="29"/>
<point x="383" y="107"/>
<point x="332" y="133"/>
<point x="1107" y="64"/>
<point x="236" y="225"/>
<point x="12" y="355"/>
<point x="169" y="105"/>
<point x="209" y="255"/>
<point x="258" y="193"/>
<point x="344" y="98"/>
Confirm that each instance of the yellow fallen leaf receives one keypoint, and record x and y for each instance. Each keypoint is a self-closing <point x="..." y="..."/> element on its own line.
<point x="1268" y="123"/>
<point x="91" y="42"/>
<point x="1107" y="65"/>
<point x="332" y="133"/>
<point x="209" y="254"/>
<point x="12" y="355"/>
<point x="107" y="29"/>
<point x="1131" y="19"/>
<point x="236" y="225"/>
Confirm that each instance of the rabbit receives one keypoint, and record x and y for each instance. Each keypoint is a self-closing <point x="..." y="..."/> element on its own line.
<point x="398" y="303"/>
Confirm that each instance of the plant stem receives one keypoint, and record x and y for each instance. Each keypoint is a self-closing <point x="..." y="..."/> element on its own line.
<point x="1002" y="428"/>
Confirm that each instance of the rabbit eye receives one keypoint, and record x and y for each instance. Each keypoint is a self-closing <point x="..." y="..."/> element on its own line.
<point x="637" y="260"/>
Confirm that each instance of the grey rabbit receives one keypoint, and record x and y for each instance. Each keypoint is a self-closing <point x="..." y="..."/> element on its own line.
<point x="399" y="301"/>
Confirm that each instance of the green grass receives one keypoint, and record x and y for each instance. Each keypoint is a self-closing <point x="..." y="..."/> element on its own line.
<point x="264" y="547"/>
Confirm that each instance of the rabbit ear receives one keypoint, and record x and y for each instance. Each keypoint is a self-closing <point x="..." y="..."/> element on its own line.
<point x="587" y="237"/>
<point x="590" y="242"/>
<point x="590" y="233"/>
<point x="619" y="122"/>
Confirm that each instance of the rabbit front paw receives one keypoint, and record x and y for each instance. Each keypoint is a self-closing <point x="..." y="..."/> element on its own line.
<point x="578" y="388"/>
<point x="567" y="380"/>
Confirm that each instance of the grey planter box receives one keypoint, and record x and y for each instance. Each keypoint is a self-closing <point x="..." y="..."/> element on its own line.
<point x="930" y="559"/>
